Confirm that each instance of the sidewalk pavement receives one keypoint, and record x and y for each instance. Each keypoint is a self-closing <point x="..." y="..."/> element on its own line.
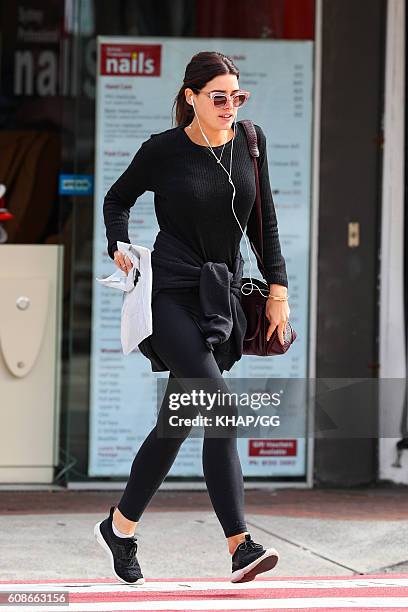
<point x="318" y="532"/>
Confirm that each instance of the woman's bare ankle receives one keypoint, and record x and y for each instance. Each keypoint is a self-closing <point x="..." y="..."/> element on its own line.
<point x="123" y="524"/>
<point x="235" y="540"/>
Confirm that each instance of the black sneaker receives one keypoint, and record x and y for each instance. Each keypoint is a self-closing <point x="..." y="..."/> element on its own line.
<point x="250" y="559"/>
<point x="122" y="552"/>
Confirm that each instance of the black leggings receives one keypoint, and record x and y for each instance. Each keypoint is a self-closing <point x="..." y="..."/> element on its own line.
<point x="179" y="342"/>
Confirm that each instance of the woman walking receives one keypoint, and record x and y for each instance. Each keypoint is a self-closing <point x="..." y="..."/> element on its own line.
<point x="201" y="191"/>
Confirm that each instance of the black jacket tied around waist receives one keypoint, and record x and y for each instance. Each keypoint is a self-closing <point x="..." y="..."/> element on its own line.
<point x="222" y="319"/>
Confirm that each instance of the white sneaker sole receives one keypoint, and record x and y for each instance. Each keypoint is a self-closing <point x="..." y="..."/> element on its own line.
<point x="100" y="539"/>
<point x="264" y="563"/>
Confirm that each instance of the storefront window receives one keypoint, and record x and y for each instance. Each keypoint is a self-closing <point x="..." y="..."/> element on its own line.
<point x="48" y="115"/>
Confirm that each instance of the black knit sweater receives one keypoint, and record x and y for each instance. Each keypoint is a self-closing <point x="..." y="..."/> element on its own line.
<point x="192" y="197"/>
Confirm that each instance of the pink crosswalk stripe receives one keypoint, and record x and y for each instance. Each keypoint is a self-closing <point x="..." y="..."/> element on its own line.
<point x="368" y="592"/>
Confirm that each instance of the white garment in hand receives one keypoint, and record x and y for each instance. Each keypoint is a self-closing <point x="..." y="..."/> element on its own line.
<point x="136" y="318"/>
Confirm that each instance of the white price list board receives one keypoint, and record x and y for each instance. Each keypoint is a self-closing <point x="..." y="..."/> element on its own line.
<point x="137" y="81"/>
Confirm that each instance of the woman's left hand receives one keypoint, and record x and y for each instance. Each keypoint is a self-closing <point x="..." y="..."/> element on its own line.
<point x="277" y="314"/>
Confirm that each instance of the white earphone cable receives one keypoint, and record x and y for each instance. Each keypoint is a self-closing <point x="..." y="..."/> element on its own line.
<point x="253" y="286"/>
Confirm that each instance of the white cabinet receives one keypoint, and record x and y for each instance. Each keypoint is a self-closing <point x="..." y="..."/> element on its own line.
<point x="30" y="346"/>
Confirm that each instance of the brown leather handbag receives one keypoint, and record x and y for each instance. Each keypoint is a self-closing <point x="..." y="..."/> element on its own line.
<point x="254" y="304"/>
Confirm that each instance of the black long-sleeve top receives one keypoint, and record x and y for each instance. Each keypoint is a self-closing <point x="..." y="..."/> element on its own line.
<point x="192" y="197"/>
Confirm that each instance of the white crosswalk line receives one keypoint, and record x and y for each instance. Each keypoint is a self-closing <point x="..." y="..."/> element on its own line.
<point x="115" y="586"/>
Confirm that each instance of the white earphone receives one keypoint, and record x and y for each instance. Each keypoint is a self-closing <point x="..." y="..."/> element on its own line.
<point x="253" y="286"/>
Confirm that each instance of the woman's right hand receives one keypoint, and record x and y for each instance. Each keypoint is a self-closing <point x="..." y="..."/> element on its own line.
<point x="122" y="261"/>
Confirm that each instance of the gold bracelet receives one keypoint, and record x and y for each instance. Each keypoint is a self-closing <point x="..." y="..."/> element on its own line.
<point x="278" y="298"/>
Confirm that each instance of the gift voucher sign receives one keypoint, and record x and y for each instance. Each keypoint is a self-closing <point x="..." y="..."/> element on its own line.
<point x="137" y="81"/>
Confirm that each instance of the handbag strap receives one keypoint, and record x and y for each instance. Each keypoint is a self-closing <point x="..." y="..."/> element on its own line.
<point x="252" y="140"/>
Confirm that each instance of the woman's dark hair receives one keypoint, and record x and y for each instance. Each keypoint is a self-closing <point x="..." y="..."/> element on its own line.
<point x="202" y="67"/>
